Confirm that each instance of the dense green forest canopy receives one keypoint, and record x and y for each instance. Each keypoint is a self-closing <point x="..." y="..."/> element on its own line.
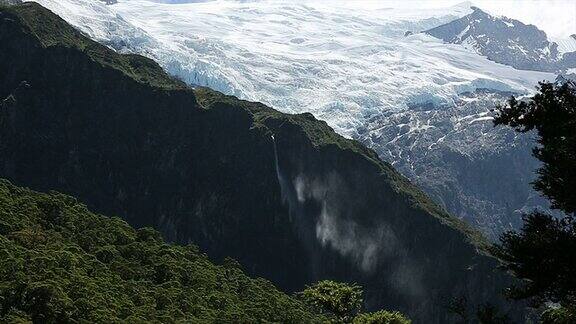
<point x="62" y="263"/>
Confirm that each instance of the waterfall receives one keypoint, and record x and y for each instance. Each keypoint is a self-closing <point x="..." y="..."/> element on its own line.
<point x="328" y="225"/>
<point x="286" y="189"/>
<point x="278" y="174"/>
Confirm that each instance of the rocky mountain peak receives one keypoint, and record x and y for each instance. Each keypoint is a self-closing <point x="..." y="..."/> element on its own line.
<point x="504" y="40"/>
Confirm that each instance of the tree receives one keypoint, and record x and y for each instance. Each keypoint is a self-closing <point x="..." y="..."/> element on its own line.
<point x="339" y="299"/>
<point x="343" y="302"/>
<point x="552" y="114"/>
<point x="543" y="253"/>
<point x="381" y="317"/>
<point x="485" y="313"/>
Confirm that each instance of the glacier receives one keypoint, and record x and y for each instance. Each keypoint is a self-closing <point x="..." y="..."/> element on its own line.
<point x="423" y="105"/>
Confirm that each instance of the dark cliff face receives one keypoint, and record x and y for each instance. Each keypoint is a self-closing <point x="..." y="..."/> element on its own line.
<point x="506" y="41"/>
<point x="283" y="194"/>
<point x="474" y="170"/>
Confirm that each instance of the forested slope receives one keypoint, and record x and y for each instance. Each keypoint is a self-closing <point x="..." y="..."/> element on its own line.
<point x="62" y="263"/>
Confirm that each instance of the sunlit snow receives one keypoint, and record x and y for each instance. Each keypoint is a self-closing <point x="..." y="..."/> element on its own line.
<point x="344" y="65"/>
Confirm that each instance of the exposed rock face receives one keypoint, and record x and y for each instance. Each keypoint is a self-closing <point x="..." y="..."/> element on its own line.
<point x="286" y="196"/>
<point x="455" y="154"/>
<point x="506" y="41"/>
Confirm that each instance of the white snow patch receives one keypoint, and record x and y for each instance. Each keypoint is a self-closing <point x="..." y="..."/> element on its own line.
<point x="345" y="66"/>
<point x="480" y="119"/>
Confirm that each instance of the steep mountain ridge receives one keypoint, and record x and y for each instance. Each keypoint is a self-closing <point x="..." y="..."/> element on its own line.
<point x="290" y="199"/>
<point x="507" y="41"/>
<point x="421" y="104"/>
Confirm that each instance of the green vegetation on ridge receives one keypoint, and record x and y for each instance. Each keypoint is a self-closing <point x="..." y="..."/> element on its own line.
<point x="62" y="263"/>
<point x="51" y="30"/>
<point x="322" y="135"/>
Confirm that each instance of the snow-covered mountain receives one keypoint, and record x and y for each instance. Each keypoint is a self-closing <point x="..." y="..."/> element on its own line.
<point x="422" y="104"/>
<point x="507" y="41"/>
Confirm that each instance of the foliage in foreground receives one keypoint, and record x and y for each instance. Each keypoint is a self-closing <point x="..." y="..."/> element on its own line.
<point x="561" y="315"/>
<point x="339" y="299"/>
<point x="485" y="313"/>
<point x="61" y="263"/>
<point x="381" y="317"/>
<point x="342" y="303"/>
<point x="551" y="113"/>
<point x="543" y="253"/>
